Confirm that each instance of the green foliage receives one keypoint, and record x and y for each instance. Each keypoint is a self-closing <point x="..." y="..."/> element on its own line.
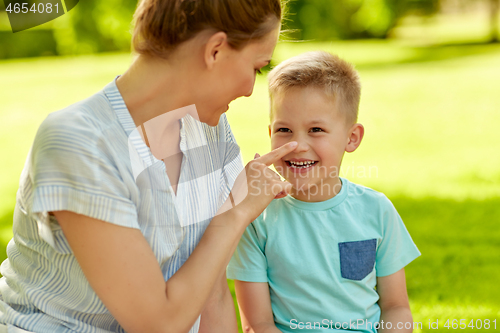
<point x="92" y="26"/>
<point x="30" y="43"/>
<point x="350" y="19"/>
<point x="103" y="26"/>
<point x="96" y="26"/>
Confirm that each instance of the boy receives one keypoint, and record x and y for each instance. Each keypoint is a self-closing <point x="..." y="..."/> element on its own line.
<point x="330" y="256"/>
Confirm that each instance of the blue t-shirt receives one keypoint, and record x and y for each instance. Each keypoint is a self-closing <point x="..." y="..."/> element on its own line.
<point x="321" y="259"/>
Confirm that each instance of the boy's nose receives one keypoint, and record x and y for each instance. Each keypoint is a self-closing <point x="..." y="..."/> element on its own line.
<point x="302" y="147"/>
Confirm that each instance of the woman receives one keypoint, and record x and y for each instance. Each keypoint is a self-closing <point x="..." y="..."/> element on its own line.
<point x="124" y="220"/>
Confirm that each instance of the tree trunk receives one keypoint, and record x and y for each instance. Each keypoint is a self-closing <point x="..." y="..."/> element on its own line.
<point x="494" y="11"/>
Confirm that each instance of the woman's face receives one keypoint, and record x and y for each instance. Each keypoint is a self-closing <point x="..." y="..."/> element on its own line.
<point x="234" y="75"/>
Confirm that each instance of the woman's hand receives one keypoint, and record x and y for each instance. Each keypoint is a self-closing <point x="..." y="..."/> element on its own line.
<point x="280" y="195"/>
<point x="257" y="185"/>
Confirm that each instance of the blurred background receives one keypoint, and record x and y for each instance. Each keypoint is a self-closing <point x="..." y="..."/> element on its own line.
<point x="430" y="105"/>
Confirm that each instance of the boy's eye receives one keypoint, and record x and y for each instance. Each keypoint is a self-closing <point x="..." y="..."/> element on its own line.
<point x="283" y="130"/>
<point x="258" y="71"/>
<point x="316" y="129"/>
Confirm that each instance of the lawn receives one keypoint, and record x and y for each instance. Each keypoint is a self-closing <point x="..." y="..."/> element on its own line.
<point x="431" y="115"/>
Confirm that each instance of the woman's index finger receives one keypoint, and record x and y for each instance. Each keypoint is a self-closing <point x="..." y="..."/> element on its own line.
<point x="277" y="153"/>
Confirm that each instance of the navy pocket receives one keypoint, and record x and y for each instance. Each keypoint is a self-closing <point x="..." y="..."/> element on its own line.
<point x="357" y="258"/>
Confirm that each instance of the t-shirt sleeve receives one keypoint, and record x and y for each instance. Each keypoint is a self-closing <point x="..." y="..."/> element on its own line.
<point x="249" y="261"/>
<point x="71" y="167"/>
<point x="397" y="249"/>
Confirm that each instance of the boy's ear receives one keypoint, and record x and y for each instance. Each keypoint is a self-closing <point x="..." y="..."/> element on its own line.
<point x="355" y="136"/>
<point x="269" y="127"/>
<point x="214" y="45"/>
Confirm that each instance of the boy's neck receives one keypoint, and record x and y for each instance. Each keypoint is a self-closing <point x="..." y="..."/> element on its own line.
<point x="318" y="192"/>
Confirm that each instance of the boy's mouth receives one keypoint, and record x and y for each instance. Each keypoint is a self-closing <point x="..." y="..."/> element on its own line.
<point x="300" y="165"/>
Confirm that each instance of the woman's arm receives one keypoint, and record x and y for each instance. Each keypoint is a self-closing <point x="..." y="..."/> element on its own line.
<point x="218" y="314"/>
<point x="254" y="302"/>
<point x="393" y="302"/>
<point x="124" y="272"/>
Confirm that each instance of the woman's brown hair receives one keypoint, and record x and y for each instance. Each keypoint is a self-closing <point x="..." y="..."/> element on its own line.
<point x="161" y="25"/>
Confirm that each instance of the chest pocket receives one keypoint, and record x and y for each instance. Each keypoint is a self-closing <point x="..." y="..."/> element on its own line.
<point x="357" y="259"/>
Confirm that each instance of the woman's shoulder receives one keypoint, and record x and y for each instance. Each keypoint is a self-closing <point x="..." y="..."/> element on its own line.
<point x="91" y="115"/>
<point x="86" y="129"/>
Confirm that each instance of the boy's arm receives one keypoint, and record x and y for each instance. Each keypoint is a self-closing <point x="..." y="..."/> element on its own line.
<point x="218" y="314"/>
<point x="393" y="302"/>
<point x="255" y="307"/>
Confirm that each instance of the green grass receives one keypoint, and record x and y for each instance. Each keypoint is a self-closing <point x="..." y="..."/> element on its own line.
<point x="432" y="139"/>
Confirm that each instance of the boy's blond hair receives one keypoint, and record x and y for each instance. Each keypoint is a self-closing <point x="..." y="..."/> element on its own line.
<point x="323" y="70"/>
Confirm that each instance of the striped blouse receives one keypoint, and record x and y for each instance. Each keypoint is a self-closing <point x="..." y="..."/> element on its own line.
<point x="90" y="159"/>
